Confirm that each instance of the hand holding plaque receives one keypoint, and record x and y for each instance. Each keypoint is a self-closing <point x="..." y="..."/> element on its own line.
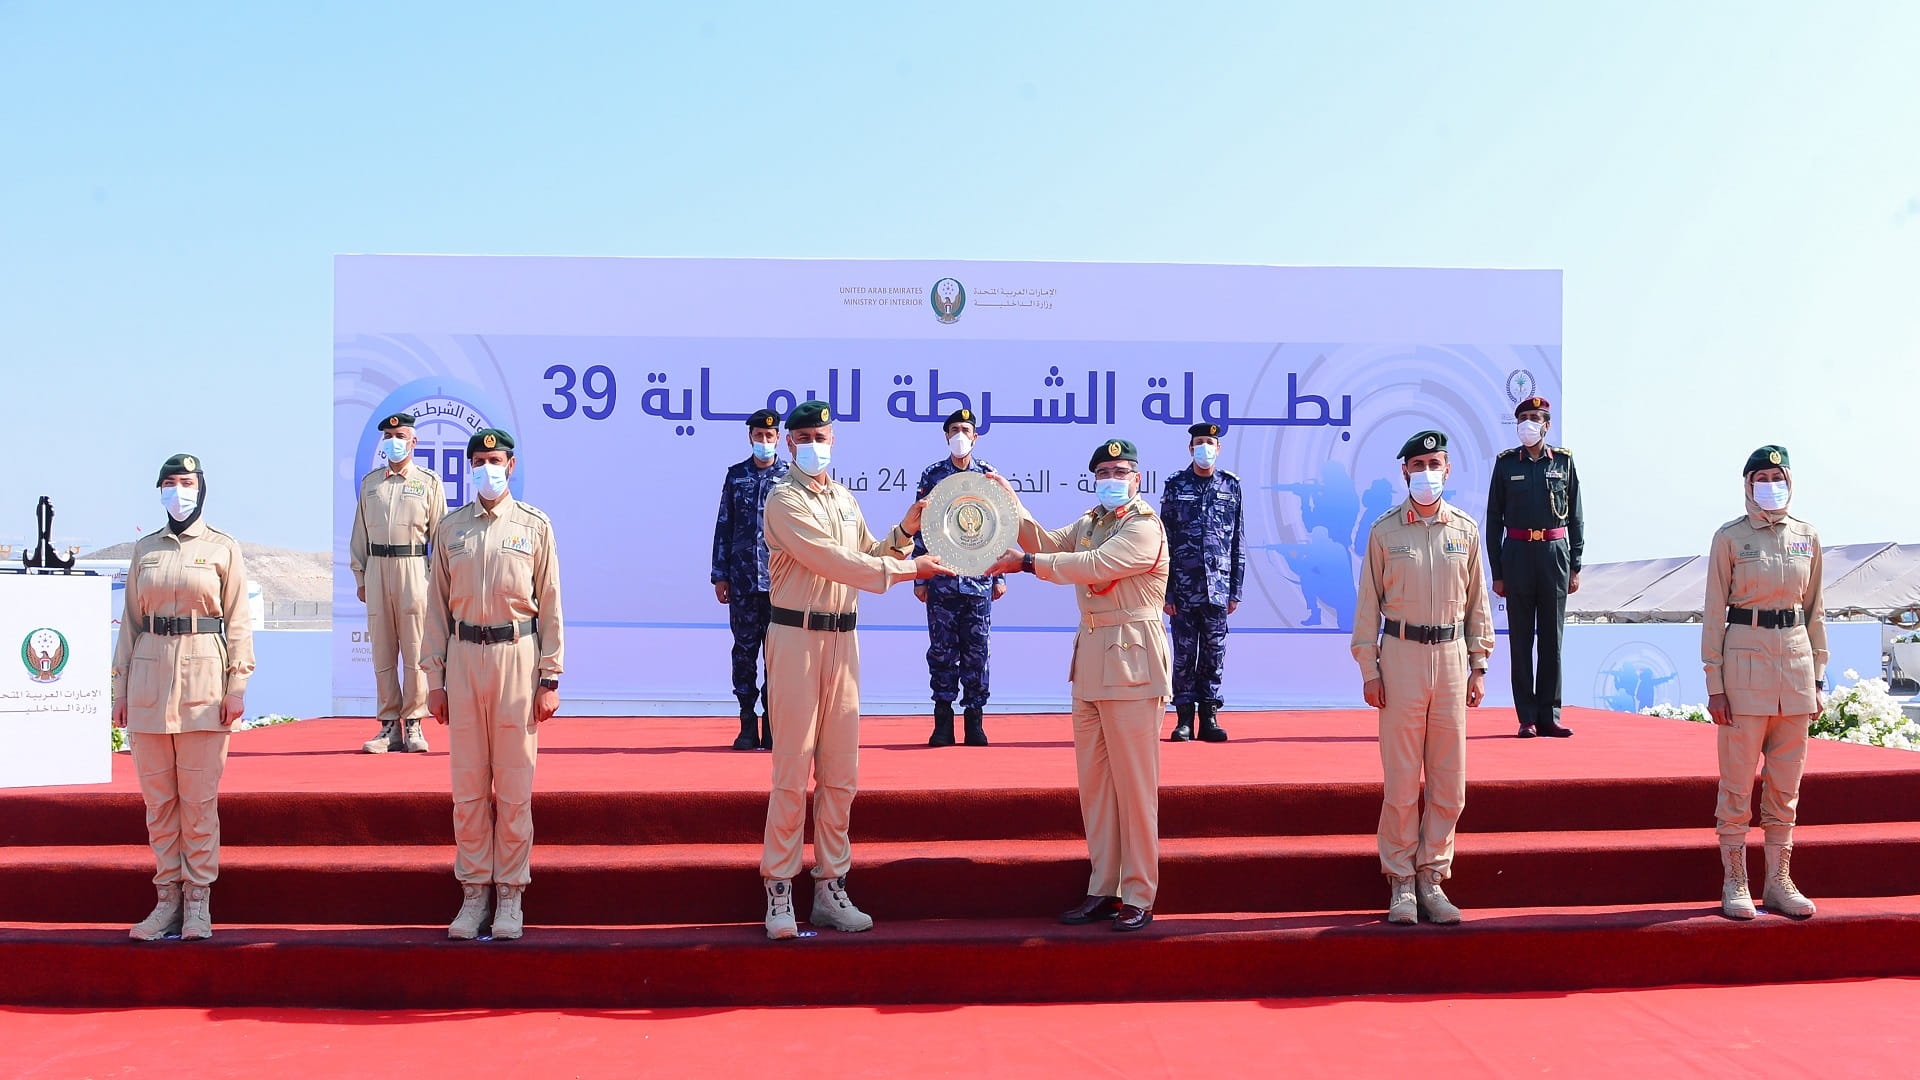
<point x="970" y="519"/>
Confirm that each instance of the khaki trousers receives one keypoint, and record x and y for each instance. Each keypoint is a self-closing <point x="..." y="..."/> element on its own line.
<point x="1779" y="745"/>
<point x="180" y="781"/>
<point x="396" y="621"/>
<point x="1116" y="748"/>
<point x="813" y="709"/>
<point x="1423" y="729"/>
<point x="492" y="742"/>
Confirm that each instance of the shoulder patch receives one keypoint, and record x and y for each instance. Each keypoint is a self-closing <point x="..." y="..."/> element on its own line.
<point x="1229" y="476"/>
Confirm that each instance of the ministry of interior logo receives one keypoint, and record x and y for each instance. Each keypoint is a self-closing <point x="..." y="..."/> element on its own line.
<point x="1520" y="385"/>
<point x="44" y="652"/>
<point x="948" y="298"/>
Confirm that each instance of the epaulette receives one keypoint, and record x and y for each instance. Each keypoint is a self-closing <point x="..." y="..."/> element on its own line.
<point x="1388" y="516"/>
<point x="538" y="514"/>
<point x="1228" y="475"/>
<point x="1563" y="450"/>
<point x="1508" y="452"/>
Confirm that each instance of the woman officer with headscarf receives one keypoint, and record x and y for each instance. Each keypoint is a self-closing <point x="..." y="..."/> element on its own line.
<point x="179" y="681"/>
<point x="1763" y="639"/>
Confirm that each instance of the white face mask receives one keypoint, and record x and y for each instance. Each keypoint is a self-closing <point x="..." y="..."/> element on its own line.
<point x="179" y="501"/>
<point x="394" y="450"/>
<point x="489" y="481"/>
<point x="1771" y="495"/>
<point x="1531" y="432"/>
<point x="1205" y="454"/>
<point x="1114" y="493"/>
<point x="763" y="452"/>
<point x="1425" y="487"/>
<point x="813" y="458"/>
<point x="961" y="444"/>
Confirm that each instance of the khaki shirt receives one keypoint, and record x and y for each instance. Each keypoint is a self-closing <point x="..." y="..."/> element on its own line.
<point x="174" y="683"/>
<point x="395" y="508"/>
<point x="1422" y="571"/>
<point x="1755" y="563"/>
<point x="819" y="550"/>
<point x="491" y="568"/>
<point x="1118" y="561"/>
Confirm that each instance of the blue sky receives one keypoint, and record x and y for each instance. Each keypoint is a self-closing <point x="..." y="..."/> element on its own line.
<point x="1733" y="191"/>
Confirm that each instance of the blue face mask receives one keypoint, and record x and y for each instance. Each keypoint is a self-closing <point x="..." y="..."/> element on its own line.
<point x="763" y="452"/>
<point x="394" y="450"/>
<point x="1205" y="455"/>
<point x="813" y="457"/>
<point x="1114" y="493"/>
<point x="489" y="481"/>
<point x="1425" y="487"/>
<point x="179" y="501"/>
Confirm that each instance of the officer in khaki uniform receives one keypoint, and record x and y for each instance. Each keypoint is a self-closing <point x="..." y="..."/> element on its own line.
<point x="180" y="674"/>
<point x="1115" y="556"/>
<point x="493" y="663"/>
<point x="1423" y="667"/>
<point x="393" y="518"/>
<point x="1763" y="639"/>
<point x="818" y="553"/>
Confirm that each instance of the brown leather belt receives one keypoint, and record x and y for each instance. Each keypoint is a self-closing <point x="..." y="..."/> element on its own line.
<point x="1537" y="534"/>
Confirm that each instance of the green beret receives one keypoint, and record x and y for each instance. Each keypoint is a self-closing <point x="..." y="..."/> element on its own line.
<point x="764" y="420"/>
<point x="178" y="465"/>
<point x="809" y="414"/>
<point x="1426" y="442"/>
<point x="491" y="438"/>
<point x="1767" y="457"/>
<point x="959" y="416"/>
<point x="1114" y="450"/>
<point x="399" y="419"/>
<point x="1532" y="403"/>
<point x="1210" y="430"/>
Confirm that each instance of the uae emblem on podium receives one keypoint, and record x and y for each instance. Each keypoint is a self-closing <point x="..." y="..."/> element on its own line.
<point x="44" y="651"/>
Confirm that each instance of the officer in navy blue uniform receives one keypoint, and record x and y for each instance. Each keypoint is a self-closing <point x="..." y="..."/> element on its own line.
<point x="1201" y="508"/>
<point x="1534" y="539"/>
<point x="959" y="609"/>
<point x="740" y="569"/>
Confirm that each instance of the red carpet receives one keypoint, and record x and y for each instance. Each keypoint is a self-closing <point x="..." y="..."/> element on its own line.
<point x="1583" y="863"/>
<point x="1859" y="1030"/>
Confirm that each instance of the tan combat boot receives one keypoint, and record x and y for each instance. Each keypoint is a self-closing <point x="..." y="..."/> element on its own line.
<point x="780" y="921"/>
<point x="832" y="907"/>
<point x="473" y="912"/>
<point x="165" y="918"/>
<point x="196" y="919"/>
<point x="416" y="739"/>
<point x="1781" y="894"/>
<point x="1432" y="898"/>
<point x="508" y="919"/>
<point x="382" y="742"/>
<point x="1735" y="901"/>
<point x="1403" y="906"/>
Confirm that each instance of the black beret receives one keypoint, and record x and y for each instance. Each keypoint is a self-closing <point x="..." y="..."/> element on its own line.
<point x="1532" y="403"/>
<point x="1771" y="456"/>
<point x="958" y="416"/>
<point x="178" y="465"/>
<point x="399" y="419"/>
<point x="489" y="439"/>
<point x="764" y="420"/>
<point x="809" y="414"/>
<point x="1426" y="442"/>
<point x="1113" y="450"/>
<point x="1211" y="430"/>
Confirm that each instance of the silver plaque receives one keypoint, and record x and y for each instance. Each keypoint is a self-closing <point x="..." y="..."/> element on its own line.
<point x="970" y="521"/>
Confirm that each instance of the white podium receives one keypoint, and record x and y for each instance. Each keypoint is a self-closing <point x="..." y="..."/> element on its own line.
<point x="56" y="666"/>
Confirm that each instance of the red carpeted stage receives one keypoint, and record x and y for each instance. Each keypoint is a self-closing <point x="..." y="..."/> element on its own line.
<point x="1586" y="863"/>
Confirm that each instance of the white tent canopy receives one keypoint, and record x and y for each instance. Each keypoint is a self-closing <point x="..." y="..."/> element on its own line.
<point x="1881" y="580"/>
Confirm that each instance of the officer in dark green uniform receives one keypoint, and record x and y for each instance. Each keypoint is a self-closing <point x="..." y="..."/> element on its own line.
<point x="1534" y="539"/>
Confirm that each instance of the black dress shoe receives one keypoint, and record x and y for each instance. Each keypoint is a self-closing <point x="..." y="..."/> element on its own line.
<point x="1526" y="731"/>
<point x="1092" y="909"/>
<point x="1551" y="730"/>
<point x="1132" y="918"/>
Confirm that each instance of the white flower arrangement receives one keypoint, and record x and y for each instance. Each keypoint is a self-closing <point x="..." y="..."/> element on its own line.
<point x="1862" y="713"/>
<point x="123" y="739"/>
<point x="1912" y="638"/>
<point x="1696" y="713"/>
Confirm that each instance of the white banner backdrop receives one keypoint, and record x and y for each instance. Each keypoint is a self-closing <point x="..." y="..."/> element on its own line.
<point x="56" y="666"/>
<point x="626" y="383"/>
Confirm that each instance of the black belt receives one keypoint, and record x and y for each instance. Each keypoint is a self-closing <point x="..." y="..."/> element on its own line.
<point x="1780" y="619"/>
<point x="176" y="625"/>
<point x="836" y="621"/>
<point x="1423" y="635"/>
<point x="496" y="635"/>
<point x="397" y="551"/>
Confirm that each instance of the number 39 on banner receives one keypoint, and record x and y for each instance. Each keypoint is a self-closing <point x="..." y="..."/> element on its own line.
<point x="596" y="384"/>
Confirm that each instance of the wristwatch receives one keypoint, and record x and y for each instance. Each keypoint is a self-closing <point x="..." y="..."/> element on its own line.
<point x="1026" y="562"/>
<point x="549" y="684"/>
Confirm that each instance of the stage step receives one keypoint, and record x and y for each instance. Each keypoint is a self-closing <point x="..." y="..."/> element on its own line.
<point x="60" y="818"/>
<point x="579" y="884"/>
<point x="960" y="961"/>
